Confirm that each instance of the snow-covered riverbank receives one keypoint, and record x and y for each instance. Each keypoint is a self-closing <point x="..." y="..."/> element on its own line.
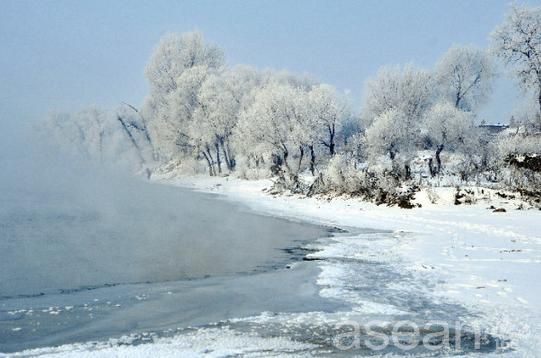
<point x="440" y="262"/>
<point x="488" y="261"/>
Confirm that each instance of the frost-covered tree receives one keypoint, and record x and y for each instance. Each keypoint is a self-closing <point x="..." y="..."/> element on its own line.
<point x="105" y="137"/>
<point x="405" y="89"/>
<point x="464" y="75"/>
<point x="292" y="117"/>
<point x="393" y="134"/>
<point x="176" y="70"/>
<point x="172" y="115"/>
<point x="82" y="133"/>
<point x="177" y="53"/>
<point x="134" y="126"/>
<point x="307" y="128"/>
<point x="303" y="82"/>
<point x="448" y="127"/>
<point x="518" y="42"/>
<point x="329" y="112"/>
<point x="184" y="102"/>
<point x="272" y="124"/>
<point x="394" y="103"/>
<point x="221" y="98"/>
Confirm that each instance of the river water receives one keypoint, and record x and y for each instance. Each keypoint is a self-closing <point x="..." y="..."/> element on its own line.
<point x="100" y="257"/>
<point x="107" y="256"/>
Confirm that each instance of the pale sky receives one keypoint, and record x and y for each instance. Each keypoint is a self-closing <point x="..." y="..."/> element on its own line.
<point x="65" y="55"/>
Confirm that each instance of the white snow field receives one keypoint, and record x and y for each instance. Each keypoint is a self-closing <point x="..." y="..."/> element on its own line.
<point x="438" y="263"/>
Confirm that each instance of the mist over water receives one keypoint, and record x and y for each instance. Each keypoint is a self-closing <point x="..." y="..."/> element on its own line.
<point x="66" y="224"/>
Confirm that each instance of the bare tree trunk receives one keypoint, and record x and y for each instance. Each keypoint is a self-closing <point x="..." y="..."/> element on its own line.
<point x="144" y="130"/>
<point x="132" y="140"/>
<point x="312" y="160"/>
<point x="392" y="152"/>
<point x="408" y="171"/>
<point x="209" y="162"/>
<point x="231" y="157"/>
<point x="286" y="155"/>
<point x="218" y="159"/>
<point x="227" y="157"/>
<point x="431" y="168"/>
<point x="301" y="156"/>
<point x="439" y="149"/>
<point x="208" y="154"/>
<point x="332" y="132"/>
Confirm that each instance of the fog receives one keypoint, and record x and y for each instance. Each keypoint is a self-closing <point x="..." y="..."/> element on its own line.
<point x="67" y="224"/>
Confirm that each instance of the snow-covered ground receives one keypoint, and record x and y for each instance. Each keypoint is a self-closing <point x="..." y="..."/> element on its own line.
<point x="439" y="262"/>
<point x="489" y="261"/>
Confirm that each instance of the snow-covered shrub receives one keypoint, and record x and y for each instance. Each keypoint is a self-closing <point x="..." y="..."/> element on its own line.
<point x="343" y="176"/>
<point x="355" y="147"/>
<point x="464" y="196"/>
<point x="527" y="118"/>
<point x="184" y="166"/>
<point x="518" y="144"/>
<point x="252" y="167"/>
<point x="432" y="196"/>
<point x="519" y="156"/>
<point x="375" y="183"/>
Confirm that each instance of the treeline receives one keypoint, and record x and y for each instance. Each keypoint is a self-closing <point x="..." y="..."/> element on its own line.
<point x="415" y="125"/>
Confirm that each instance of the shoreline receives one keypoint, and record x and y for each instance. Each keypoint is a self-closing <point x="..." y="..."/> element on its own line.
<point x="459" y="260"/>
<point x="485" y="260"/>
<point x="272" y="263"/>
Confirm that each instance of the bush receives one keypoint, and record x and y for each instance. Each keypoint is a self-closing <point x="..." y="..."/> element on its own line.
<point x="377" y="184"/>
<point x="519" y="157"/>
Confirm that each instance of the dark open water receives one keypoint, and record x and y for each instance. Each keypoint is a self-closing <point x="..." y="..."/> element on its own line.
<point x="112" y="243"/>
